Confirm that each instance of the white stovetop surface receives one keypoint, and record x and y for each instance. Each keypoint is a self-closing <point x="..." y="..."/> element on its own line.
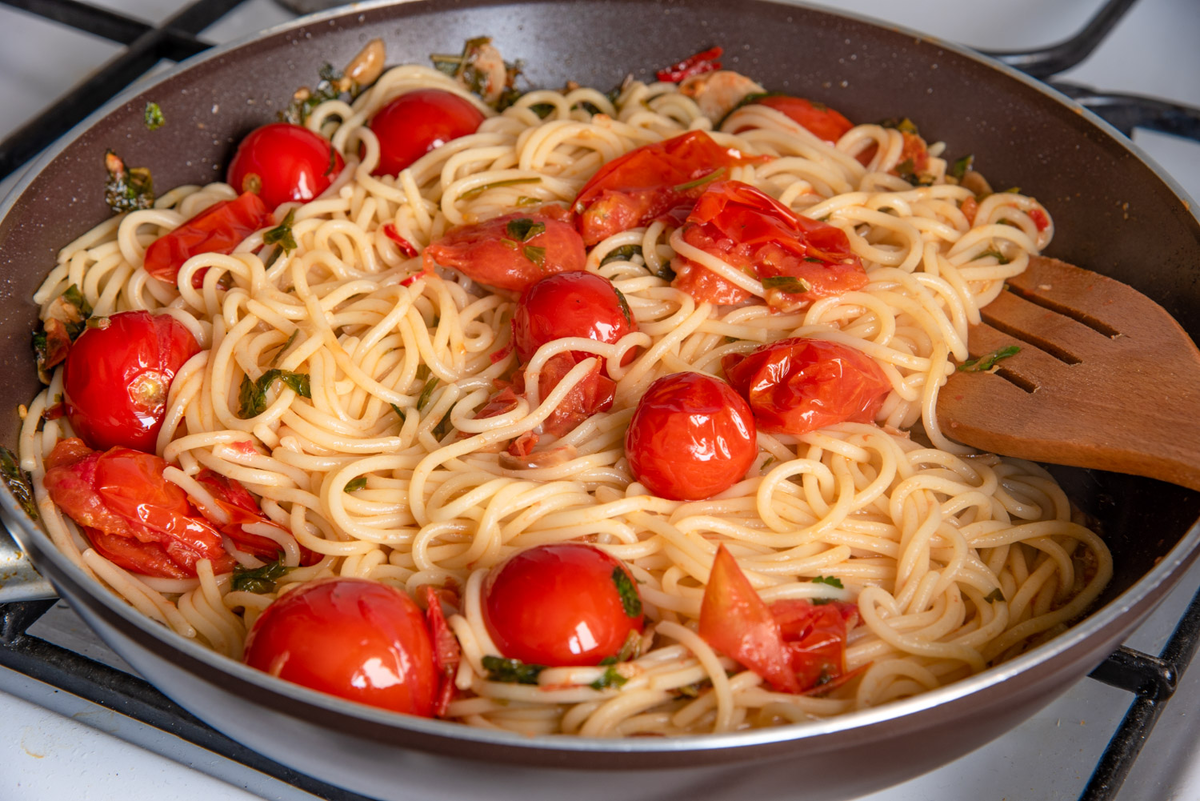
<point x="54" y="746"/>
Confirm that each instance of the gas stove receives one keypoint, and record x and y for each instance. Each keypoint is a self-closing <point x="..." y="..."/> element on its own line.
<point x="75" y="721"/>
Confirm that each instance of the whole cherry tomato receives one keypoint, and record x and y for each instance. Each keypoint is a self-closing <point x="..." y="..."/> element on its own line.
<point x="576" y="304"/>
<point x="561" y="605"/>
<point x="822" y="121"/>
<point x="131" y="514"/>
<point x="799" y="385"/>
<point x="417" y="122"/>
<point x="649" y="182"/>
<point x="218" y="229"/>
<point x="691" y="437"/>
<point x="797" y="259"/>
<point x="509" y="252"/>
<point x="117" y="375"/>
<point x="353" y="638"/>
<point x="281" y="162"/>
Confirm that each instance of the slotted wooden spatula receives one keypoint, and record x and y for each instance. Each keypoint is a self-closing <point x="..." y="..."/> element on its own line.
<point x="1104" y="378"/>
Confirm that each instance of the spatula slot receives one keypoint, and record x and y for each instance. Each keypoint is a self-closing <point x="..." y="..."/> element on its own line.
<point x="1078" y="315"/>
<point x="1018" y="381"/>
<point x="1055" y="349"/>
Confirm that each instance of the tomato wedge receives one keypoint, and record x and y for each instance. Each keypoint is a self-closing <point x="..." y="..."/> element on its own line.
<point x="509" y="252"/>
<point x="218" y="229"/>
<point x="650" y="182"/>
<point x="797" y="259"/>
<point x="798" y="385"/>
<point x="141" y="519"/>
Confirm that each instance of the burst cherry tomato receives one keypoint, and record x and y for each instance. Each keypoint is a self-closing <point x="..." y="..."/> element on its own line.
<point x="691" y="437"/>
<point x="509" y="252"/>
<point x="576" y="304"/>
<point x="116" y="378"/>
<point x="561" y="605"/>
<point x="417" y="122"/>
<point x="798" y="260"/>
<point x="131" y="514"/>
<point x="218" y="229"/>
<point x="352" y="638"/>
<point x="649" y="182"/>
<point x="822" y="121"/>
<point x="798" y="385"/>
<point x="281" y="162"/>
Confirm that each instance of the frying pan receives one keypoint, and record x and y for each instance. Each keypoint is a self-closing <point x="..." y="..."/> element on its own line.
<point x="1114" y="213"/>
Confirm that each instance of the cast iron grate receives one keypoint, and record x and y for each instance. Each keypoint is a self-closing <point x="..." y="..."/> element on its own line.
<point x="1151" y="679"/>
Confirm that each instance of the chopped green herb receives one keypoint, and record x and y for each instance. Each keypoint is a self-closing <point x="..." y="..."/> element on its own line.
<point x="284" y="349"/>
<point x="126" y="189"/>
<point x="832" y="581"/>
<point x="786" y="283"/>
<point x="665" y="272"/>
<point x="814" y="260"/>
<point x="1000" y="257"/>
<point x="18" y="481"/>
<point x="154" y="117"/>
<point x="331" y="86"/>
<point x="994" y="595"/>
<point x="511" y="671"/>
<point x="260" y="580"/>
<point x="332" y="162"/>
<point x="399" y="413"/>
<point x="426" y="393"/>
<point x="611" y="678"/>
<point x="443" y="427"/>
<point x="624" y="304"/>
<point x="702" y="180"/>
<point x="523" y="229"/>
<point x="543" y="110"/>
<point x="526" y="200"/>
<point x="630" y="600"/>
<point x="355" y="484"/>
<point x="535" y="254"/>
<point x="464" y="70"/>
<point x="688" y="691"/>
<point x="281" y="234"/>
<point x="633" y="644"/>
<point x="252" y="395"/>
<point x="960" y="167"/>
<point x="768" y="461"/>
<point x="987" y="362"/>
<point x="479" y="190"/>
<point x="68" y="316"/>
<point x="623" y="253"/>
<point x="904" y="125"/>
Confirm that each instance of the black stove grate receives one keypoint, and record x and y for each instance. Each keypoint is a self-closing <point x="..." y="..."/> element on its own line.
<point x="1152" y="680"/>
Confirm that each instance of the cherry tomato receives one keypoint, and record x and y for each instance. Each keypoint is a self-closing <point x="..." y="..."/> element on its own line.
<point x="793" y="644"/>
<point x="282" y="162"/>
<point x="116" y="378"/>
<point x="799" y="385"/>
<point x="691" y="437"/>
<point x="820" y="120"/>
<point x="563" y="604"/>
<point x="698" y="64"/>
<point x="798" y="260"/>
<point x="352" y="638"/>
<point x="577" y="304"/>
<point x="131" y="514"/>
<point x="650" y="182"/>
<point x="417" y="122"/>
<point x="509" y="252"/>
<point x="218" y="229"/>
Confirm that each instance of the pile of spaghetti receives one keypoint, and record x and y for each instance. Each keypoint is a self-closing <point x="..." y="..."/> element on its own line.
<point x="380" y="465"/>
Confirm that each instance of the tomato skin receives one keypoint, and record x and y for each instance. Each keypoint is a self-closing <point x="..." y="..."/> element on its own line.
<point x="798" y="385"/>
<point x="281" y="162"/>
<point x="649" y="182"/>
<point x="538" y="604"/>
<point x="753" y="232"/>
<point x="131" y="514"/>
<point x="416" y="122"/>
<point x="820" y="120"/>
<point x="116" y="378"/>
<point x="576" y="304"/>
<point x="353" y="638"/>
<point x="698" y="64"/>
<point x="218" y="229"/>
<point x="691" y="437"/>
<point x="242" y="510"/>
<point x="493" y="253"/>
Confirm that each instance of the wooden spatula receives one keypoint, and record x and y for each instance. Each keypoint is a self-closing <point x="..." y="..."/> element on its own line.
<point x="1104" y="378"/>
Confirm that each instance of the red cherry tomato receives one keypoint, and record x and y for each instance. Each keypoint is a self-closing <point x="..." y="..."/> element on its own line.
<point x="116" y="378"/>
<point x="417" y="122"/>
<point x="698" y="64"/>
<point x="352" y="638"/>
<point x="649" y="182"/>
<point x="798" y="260"/>
<point x="576" y="304"/>
<point x="822" y="121"/>
<point x="218" y="229"/>
<point x="691" y="437"/>
<point x="132" y="515"/>
<point x="798" y="385"/>
<point x="563" y="604"/>
<point x="509" y="252"/>
<point x="281" y="162"/>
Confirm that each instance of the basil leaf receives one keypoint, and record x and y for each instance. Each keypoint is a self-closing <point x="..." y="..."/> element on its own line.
<point x="154" y="117"/>
<point x="299" y="382"/>
<point x="1000" y="257"/>
<point x="832" y="581"/>
<point x="523" y="229"/>
<point x="18" y="481"/>
<point x="987" y="362"/>
<point x="281" y="234"/>
<point x="511" y="671"/>
<point x="624" y="304"/>
<point x="536" y="255"/>
<point x="631" y="602"/>
<point x="786" y="283"/>
<point x="426" y="393"/>
<point x="399" y="413"/>
<point x="285" y="347"/>
<point x="260" y="580"/>
<point x="252" y="395"/>
<point x="623" y="253"/>
<point x="611" y="678"/>
<point x="355" y="484"/>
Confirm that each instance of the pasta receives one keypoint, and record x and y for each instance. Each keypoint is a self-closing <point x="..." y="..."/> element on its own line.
<point x="956" y="559"/>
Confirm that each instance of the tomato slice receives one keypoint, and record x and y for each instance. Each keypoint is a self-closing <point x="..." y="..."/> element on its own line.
<point x="820" y="120"/>
<point x="353" y="638"/>
<point x="122" y="493"/>
<point x="117" y="377"/>
<point x="798" y="260"/>
<point x="650" y="182"/>
<point x="218" y="229"/>
<point x="509" y="252"/>
<point x="281" y="162"/>
<point x="798" y="385"/>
